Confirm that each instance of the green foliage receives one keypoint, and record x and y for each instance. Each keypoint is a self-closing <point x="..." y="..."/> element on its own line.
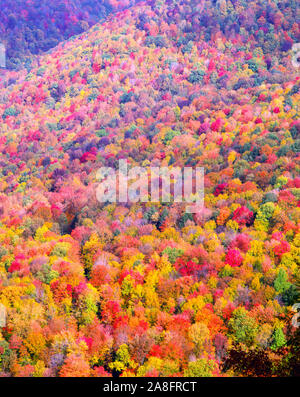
<point x="170" y="135"/>
<point x="9" y="112"/>
<point x="173" y="253"/>
<point x="46" y="274"/>
<point x="270" y="197"/>
<point x="243" y="327"/>
<point x="196" y="76"/>
<point x="290" y="295"/>
<point x="278" y="339"/>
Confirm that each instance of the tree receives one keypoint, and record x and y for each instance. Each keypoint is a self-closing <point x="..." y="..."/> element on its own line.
<point x="200" y="368"/>
<point x="281" y="284"/>
<point x="199" y="335"/>
<point x="243" y="327"/>
<point x="278" y="339"/>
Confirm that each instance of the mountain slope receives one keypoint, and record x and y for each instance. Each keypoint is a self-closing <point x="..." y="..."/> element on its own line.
<point x="111" y="287"/>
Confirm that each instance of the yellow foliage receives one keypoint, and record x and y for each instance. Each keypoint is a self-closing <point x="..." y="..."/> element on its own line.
<point x="210" y="225"/>
<point x="195" y="304"/>
<point x="35" y="343"/>
<point x="199" y="334"/>
<point x="256" y="283"/>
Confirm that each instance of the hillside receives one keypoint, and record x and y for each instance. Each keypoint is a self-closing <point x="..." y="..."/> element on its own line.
<point x="29" y="28"/>
<point x="145" y="289"/>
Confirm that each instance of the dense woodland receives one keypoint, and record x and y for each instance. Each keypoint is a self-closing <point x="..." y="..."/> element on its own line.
<point x="145" y="289"/>
<point x="31" y="27"/>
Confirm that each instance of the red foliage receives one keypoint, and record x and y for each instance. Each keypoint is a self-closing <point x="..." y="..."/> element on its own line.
<point x="234" y="258"/>
<point x="282" y="248"/>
